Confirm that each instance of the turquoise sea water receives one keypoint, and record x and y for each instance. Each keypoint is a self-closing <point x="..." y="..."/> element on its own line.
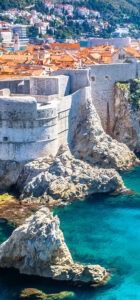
<point x="11" y="49"/>
<point x="102" y="230"/>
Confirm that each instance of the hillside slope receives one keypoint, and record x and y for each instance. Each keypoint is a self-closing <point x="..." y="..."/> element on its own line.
<point x="117" y="6"/>
<point x="6" y="4"/>
<point x="128" y="6"/>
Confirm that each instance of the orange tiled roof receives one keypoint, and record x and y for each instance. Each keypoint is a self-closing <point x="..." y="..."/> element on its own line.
<point x="69" y="46"/>
<point x="5" y="30"/>
<point x="26" y="63"/>
<point x="132" y="51"/>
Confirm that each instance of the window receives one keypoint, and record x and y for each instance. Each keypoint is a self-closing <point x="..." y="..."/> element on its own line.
<point x="121" y="56"/>
<point x="5" y="138"/>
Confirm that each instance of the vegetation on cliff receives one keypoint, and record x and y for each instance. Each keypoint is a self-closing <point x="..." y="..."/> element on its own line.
<point x="134" y="96"/>
<point x="126" y="127"/>
<point x="7" y="4"/>
<point x="133" y="89"/>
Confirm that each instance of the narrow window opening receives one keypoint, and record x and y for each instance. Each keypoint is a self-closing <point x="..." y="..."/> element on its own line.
<point x="93" y="78"/>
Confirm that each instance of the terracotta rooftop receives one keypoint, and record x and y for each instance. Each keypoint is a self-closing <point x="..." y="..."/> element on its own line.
<point x="34" y="60"/>
<point x="132" y="51"/>
<point x="65" y="46"/>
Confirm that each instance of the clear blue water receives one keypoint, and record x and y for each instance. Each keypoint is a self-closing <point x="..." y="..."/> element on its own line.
<point x="83" y="43"/>
<point x="102" y="229"/>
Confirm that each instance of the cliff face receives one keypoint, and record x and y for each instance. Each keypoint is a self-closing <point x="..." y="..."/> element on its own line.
<point x="9" y="173"/>
<point x="38" y="248"/>
<point x="64" y="178"/>
<point x="92" y="144"/>
<point x="127" y="114"/>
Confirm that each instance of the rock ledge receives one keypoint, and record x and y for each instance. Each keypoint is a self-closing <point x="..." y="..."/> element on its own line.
<point x="64" y="178"/>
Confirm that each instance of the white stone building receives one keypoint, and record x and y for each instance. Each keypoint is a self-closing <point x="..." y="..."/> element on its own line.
<point x="6" y="35"/>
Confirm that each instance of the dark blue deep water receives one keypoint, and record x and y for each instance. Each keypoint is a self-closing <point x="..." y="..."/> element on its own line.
<point x="102" y="229"/>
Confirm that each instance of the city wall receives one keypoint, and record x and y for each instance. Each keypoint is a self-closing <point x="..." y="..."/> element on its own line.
<point x="36" y="125"/>
<point x="45" y="85"/>
<point x="38" y="85"/>
<point x="16" y="86"/>
<point x="117" y="42"/>
<point x="103" y="78"/>
<point x="29" y="130"/>
<point x="78" y="78"/>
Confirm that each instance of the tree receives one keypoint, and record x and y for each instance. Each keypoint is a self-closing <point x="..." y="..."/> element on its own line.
<point x="32" y="32"/>
<point x="20" y="20"/>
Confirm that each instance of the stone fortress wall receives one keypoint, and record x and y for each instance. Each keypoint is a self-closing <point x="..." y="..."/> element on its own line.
<point x="102" y="78"/>
<point x="37" y="124"/>
<point x="117" y="42"/>
<point x="16" y="86"/>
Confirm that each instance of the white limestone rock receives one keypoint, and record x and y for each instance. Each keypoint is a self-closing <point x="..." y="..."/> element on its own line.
<point x="126" y="127"/>
<point x="92" y="144"/>
<point x="65" y="178"/>
<point x="38" y="248"/>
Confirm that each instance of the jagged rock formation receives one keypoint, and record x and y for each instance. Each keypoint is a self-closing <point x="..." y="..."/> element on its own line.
<point x="65" y="178"/>
<point x="127" y="116"/>
<point x="38" y="248"/>
<point x="92" y="144"/>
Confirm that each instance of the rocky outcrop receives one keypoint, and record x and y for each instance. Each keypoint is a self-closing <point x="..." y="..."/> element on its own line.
<point x="92" y="144"/>
<point x="127" y="116"/>
<point x="38" y="248"/>
<point x="65" y="178"/>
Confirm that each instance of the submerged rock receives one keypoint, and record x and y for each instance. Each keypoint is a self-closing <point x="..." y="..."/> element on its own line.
<point x="65" y="178"/>
<point x="38" y="248"/>
<point x="29" y="292"/>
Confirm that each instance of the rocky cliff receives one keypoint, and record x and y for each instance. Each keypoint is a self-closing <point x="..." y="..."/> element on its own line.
<point x="92" y="144"/>
<point x="64" y="178"/>
<point x="127" y="114"/>
<point x="38" y="248"/>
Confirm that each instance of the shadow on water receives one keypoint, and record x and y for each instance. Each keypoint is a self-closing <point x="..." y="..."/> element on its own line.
<point x="12" y="283"/>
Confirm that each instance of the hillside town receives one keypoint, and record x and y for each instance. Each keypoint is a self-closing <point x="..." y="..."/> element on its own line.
<point x="59" y="21"/>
